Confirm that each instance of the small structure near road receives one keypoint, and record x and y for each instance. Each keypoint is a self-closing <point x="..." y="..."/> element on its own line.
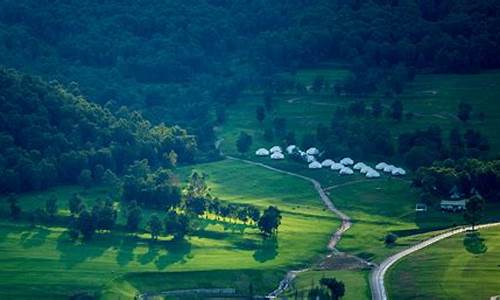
<point x="456" y="205"/>
<point x="420" y="207"/>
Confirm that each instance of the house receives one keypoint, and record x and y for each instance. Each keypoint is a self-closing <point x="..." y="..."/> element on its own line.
<point x="389" y="168"/>
<point x="372" y="174"/>
<point x="277" y="155"/>
<point x="359" y="166"/>
<point x="419" y="207"/>
<point x="381" y="166"/>
<point x="346" y="161"/>
<point x="365" y="170"/>
<point x="346" y="171"/>
<point x="275" y="149"/>
<point x="456" y="205"/>
<point x="262" y="152"/>
<point x="315" y="165"/>
<point x="312" y="151"/>
<point x="336" y="166"/>
<point x="398" y="171"/>
<point x="327" y="163"/>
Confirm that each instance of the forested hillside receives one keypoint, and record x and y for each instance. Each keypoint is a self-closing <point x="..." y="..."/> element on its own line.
<point x="50" y="136"/>
<point x="183" y="61"/>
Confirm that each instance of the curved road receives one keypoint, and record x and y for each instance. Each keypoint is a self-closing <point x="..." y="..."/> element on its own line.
<point x="377" y="276"/>
<point x="346" y="221"/>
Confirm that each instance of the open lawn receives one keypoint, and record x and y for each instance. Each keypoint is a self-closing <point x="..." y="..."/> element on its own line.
<point x="461" y="267"/>
<point x="42" y="261"/>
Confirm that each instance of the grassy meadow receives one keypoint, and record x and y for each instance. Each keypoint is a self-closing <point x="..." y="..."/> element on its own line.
<point x="461" y="267"/>
<point x="43" y="262"/>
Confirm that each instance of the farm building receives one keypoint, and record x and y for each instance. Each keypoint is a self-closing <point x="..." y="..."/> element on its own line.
<point x="457" y="205"/>
<point x="262" y="152"/>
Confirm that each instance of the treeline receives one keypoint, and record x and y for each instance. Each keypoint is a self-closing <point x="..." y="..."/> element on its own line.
<point x="50" y="136"/>
<point x="461" y="178"/>
<point x="183" y="61"/>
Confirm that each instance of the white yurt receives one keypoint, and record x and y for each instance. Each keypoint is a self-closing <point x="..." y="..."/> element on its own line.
<point x="277" y="155"/>
<point x="346" y="171"/>
<point x="290" y="149"/>
<point x="365" y="170"/>
<point x="312" y="151"/>
<point x="336" y="166"/>
<point x="359" y="166"/>
<point x="275" y="149"/>
<point x="389" y="168"/>
<point x="262" y="152"/>
<point x="381" y="166"/>
<point x="346" y="161"/>
<point x="398" y="171"/>
<point x="310" y="158"/>
<point x="315" y="165"/>
<point x="327" y="163"/>
<point x="372" y="174"/>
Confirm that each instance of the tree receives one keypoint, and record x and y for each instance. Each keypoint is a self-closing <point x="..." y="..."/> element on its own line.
<point x="85" y="178"/>
<point x="176" y="224"/>
<point x="154" y="226"/>
<point x="15" y="209"/>
<point x="244" y="142"/>
<point x="390" y="239"/>
<point x="377" y="108"/>
<point x="75" y="204"/>
<point x="270" y="221"/>
<point x="110" y="179"/>
<point x="397" y="110"/>
<point x="85" y="224"/>
<point x="254" y="213"/>
<point x="134" y="216"/>
<point x="336" y="287"/>
<point x="260" y="113"/>
<point x="474" y="210"/>
<point x="464" y="111"/>
<point x="104" y="215"/>
<point x="51" y="206"/>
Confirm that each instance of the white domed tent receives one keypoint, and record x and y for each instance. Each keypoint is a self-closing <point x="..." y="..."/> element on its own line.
<point x="359" y="166"/>
<point x="372" y="174"/>
<point x="336" y="166"/>
<point x="275" y="149"/>
<point x="398" y="171"/>
<point x="277" y="155"/>
<point x="389" y="168"/>
<point x="310" y="158"/>
<point x="315" y="165"/>
<point x="365" y="170"/>
<point x="346" y="161"/>
<point x="381" y="166"/>
<point x="327" y="163"/>
<point x="312" y="151"/>
<point x="346" y="171"/>
<point x="262" y="152"/>
<point x="290" y="149"/>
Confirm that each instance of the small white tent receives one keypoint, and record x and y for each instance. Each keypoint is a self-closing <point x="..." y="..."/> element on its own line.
<point x="381" y="166"/>
<point x="365" y="170"/>
<point x="359" y="166"/>
<point x="275" y="149"/>
<point x="277" y="155"/>
<point x="389" y="168"/>
<point x="290" y="149"/>
<point x="336" y="166"/>
<point x="310" y="158"/>
<point x="262" y="152"/>
<point x="315" y="165"/>
<point x="372" y="174"/>
<point x="346" y="171"/>
<point x="327" y="163"/>
<point x="398" y="171"/>
<point x="312" y="151"/>
<point x="346" y="161"/>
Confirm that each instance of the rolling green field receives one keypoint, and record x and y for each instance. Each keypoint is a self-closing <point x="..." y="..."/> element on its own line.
<point x="42" y="261"/>
<point x="461" y="267"/>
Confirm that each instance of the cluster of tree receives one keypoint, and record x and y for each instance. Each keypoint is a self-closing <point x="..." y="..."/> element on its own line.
<point x="329" y="289"/>
<point x="463" y="178"/>
<point x="85" y="222"/>
<point x="183" y="61"/>
<point x="50" y="136"/>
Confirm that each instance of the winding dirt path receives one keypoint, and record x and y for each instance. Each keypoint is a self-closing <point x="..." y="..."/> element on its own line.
<point x="346" y="222"/>
<point x="377" y="276"/>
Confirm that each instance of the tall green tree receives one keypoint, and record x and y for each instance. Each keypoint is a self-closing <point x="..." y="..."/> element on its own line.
<point x="336" y="287"/>
<point x="244" y="142"/>
<point x="155" y="226"/>
<point x="270" y="221"/>
<point x="474" y="210"/>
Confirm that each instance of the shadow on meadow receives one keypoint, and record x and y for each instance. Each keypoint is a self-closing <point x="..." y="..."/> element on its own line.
<point x="74" y="253"/>
<point x="126" y="250"/>
<point x="268" y="250"/>
<point x="474" y="243"/>
<point x="34" y="238"/>
<point x="177" y="251"/>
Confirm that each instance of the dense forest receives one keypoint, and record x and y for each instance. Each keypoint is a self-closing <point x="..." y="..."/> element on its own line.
<point x="182" y="62"/>
<point x="50" y="136"/>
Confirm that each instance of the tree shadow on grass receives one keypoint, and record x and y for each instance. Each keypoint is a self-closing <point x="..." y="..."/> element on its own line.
<point x="268" y="250"/>
<point x="178" y="251"/>
<point x="34" y="238"/>
<point x="153" y="251"/>
<point x="74" y="253"/>
<point x="474" y="243"/>
<point x="126" y="250"/>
